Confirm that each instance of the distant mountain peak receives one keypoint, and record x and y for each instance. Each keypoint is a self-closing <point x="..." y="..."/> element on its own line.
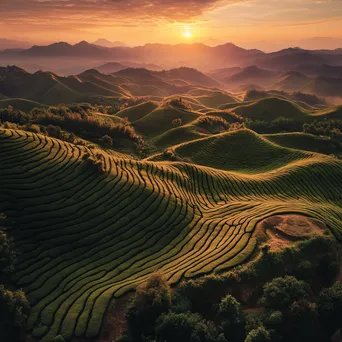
<point x="107" y="43"/>
<point x="83" y="43"/>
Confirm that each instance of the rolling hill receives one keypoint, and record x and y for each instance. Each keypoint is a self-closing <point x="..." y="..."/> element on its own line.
<point x="251" y="74"/>
<point x="135" y="113"/>
<point x="306" y="142"/>
<point x="22" y="104"/>
<point x="87" y="236"/>
<point x="268" y="109"/>
<point x="48" y="88"/>
<point x="242" y="151"/>
<point x="111" y="67"/>
<point x="160" y="120"/>
<point x="291" y="81"/>
<point x="324" y="86"/>
<point x="90" y="85"/>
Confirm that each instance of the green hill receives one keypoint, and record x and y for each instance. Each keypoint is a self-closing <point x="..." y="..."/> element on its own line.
<point x="243" y="151"/>
<point x="87" y="236"/>
<point x="160" y="120"/>
<point x="177" y="135"/>
<point x="306" y="142"/>
<point x="330" y="113"/>
<point x="216" y="99"/>
<point x="135" y="113"/>
<point x="268" y="109"/>
<point x="22" y="104"/>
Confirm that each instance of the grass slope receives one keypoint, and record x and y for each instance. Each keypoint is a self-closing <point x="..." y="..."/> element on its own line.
<point x="160" y="120"/>
<point x="87" y="237"/>
<point x="22" y="104"/>
<point x="243" y="151"/>
<point x="216" y="99"/>
<point x="271" y="108"/>
<point x="306" y="142"/>
<point x="135" y="113"/>
<point x="177" y="135"/>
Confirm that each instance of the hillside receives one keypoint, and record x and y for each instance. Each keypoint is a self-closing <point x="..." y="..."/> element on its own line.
<point x="91" y="85"/>
<point x="87" y="236"/>
<point x="22" y="104"/>
<point x="324" y="86"/>
<point x="178" y="135"/>
<point x="291" y="81"/>
<point x="160" y="120"/>
<point x="268" y="109"/>
<point x="135" y="113"/>
<point x="48" y="88"/>
<point x="251" y="75"/>
<point x="306" y="142"/>
<point x="242" y="151"/>
<point x="189" y="75"/>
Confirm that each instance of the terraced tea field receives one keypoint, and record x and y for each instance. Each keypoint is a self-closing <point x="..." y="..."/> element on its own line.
<point x="88" y="236"/>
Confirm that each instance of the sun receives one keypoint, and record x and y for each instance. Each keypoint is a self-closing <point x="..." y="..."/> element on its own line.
<point x="187" y="34"/>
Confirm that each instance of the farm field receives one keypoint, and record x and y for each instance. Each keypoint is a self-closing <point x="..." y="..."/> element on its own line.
<point x="88" y="235"/>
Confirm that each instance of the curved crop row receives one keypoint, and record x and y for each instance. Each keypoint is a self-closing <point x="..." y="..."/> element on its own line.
<point x="88" y="235"/>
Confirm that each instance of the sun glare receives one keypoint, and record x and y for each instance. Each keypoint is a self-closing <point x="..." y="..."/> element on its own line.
<point x="187" y="34"/>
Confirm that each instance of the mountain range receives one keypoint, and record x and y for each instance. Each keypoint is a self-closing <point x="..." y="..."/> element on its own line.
<point x="50" y="88"/>
<point x="195" y="55"/>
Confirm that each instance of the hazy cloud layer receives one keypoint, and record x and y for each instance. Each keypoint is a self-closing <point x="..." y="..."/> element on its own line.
<point x="109" y="9"/>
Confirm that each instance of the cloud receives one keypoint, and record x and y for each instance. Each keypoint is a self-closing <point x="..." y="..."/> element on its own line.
<point x="173" y="10"/>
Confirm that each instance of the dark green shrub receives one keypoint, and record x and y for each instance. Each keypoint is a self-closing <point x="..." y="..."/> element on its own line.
<point x="280" y="293"/>
<point x="7" y="253"/>
<point x="14" y="308"/>
<point x="232" y="319"/>
<point x="106" y="140"/>
<point x="329" y="305"/>
<point x="259" y="334"/>
<point x="186" y="327"/>
<point x="152" y="299"/>
<point x="54" y="131"/>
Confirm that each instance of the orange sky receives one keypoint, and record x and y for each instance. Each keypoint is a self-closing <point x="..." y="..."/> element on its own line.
<point x="136" y="22"/>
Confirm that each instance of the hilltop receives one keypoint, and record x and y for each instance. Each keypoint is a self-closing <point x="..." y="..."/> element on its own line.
<point x="242" y="151"/>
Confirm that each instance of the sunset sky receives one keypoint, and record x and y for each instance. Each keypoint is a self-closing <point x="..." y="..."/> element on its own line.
<point x="137" y="22"/>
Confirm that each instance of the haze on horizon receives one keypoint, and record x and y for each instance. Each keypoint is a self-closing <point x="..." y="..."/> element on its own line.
<point x="264" y="24"/>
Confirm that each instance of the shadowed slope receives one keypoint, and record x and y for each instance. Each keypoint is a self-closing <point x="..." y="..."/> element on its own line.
<point x="22" y="104"/>
<point x="135" y="113"/>
<point x="306" y="142"/>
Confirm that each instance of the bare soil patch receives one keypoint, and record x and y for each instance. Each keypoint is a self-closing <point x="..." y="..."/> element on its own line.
<point x="282" y="230"/>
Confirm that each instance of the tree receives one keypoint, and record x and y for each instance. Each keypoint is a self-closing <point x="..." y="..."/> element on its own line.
<point x="330" y="308"/>
<point x="54" y="131"/>
<point x="14" y="308"/>
<point x="186" y="327"/>
<point x="7" y="253"/>
<point x="301" y="322"/>
<point x="281" y="292"/>
<point x="177" y="122"/>
<point x="152" y="299"/>
<point x="232" y="319"/>
<point x="258" y="335"/>
<point x="107" y="140"/>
